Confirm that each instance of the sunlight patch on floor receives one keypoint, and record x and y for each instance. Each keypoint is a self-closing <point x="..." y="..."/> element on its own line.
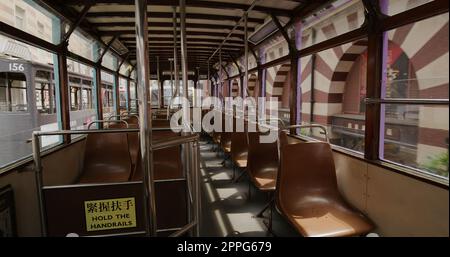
<point x="244" y="222"/>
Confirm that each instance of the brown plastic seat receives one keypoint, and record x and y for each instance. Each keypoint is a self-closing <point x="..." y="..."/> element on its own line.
<point x="106" y="159"/>
<point x="239" y="148"/>
<point x="166" y="162"/>
<point x="308" y="196"/>
<point x="262" y="165"/>
<point x="225" y="138"/>
<point x="132" y="120"/>
<point x="286" y="139"/>
<point x="133" y="140"/>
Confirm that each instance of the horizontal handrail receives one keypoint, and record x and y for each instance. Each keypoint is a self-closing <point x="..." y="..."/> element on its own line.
<point x="325" y="131"/>
<point x="161" y="144"/>
<point x="106" y="121"/>
<point x="184" y="229"/>
<point x="406" y="101"/>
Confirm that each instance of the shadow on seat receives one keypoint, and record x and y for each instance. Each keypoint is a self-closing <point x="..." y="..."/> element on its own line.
<point x="308" y="196"/>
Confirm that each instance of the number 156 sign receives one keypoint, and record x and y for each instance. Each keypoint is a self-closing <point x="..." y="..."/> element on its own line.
<point x="16" y="67"/>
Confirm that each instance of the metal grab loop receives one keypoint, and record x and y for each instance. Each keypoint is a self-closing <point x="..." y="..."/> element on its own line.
<point x="325" y="131"/>
<point x="280" y="121"/>
<point x="106" y="121"/>
<point x="114" y="116"/>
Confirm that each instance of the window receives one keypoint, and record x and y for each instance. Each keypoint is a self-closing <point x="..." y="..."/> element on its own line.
<point x="123" y="96"/>
<point x="109" y="61"/>
<point x="107" y="91"/>
<point x="13" y="92"/>
<point x="133" y="96"/>
<point x="334" y="19"/>
<point x="32" y="18"/>
<point x="333" y="86"/>
<point x="392" y="7"/>
<point x="278" y="88"/>
<point x="154" y="89"/>
<point x="83" y="45"/>
<point x="82" y="109"/>
<point x="20" y="18"/>
<point x="168" y="92"/>
<point x="416" y="133"/>
<point x="45" y="92"/>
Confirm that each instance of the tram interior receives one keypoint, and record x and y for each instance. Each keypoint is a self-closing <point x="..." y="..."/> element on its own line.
<point x="148" y="118"/>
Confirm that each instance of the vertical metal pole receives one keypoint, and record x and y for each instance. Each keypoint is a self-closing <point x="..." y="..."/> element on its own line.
<point x="197" y="196"/>
<point x="98" y="94"/>
<point x="175" y="52"/>
<point x="184" y="67"/>
<point x="128" y="94"/>
<point x="220" y="73"/>
<point x="160" y="95"/>
<point x="171" y="77"/>
<point x="39" y="182"/>
<point x="245" y="86"/>
<point x="51" y="96"/>
<point x="8" y="94"/>
<point x="208" y="83"/>
<point x="64" y="92"/>
<point x="145" y="132"/>
<point x="117" y="93"/>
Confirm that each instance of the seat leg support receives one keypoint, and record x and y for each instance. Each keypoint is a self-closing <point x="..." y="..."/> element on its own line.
<point x="239" y="178"/>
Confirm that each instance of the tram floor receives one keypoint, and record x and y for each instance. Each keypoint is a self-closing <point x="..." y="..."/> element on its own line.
<point x="226" y="209"/>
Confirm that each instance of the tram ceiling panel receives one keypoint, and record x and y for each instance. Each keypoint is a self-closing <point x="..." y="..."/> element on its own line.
<point x="208" y="23"/>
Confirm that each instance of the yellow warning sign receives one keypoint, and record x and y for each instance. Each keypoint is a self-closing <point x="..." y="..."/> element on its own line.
<point x="110" y="214"/>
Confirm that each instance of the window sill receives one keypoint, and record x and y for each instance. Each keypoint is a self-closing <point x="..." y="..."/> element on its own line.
<point x="26" y="161"/>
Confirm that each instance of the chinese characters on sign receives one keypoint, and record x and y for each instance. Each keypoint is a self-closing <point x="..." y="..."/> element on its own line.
<point x="110" y="214"/>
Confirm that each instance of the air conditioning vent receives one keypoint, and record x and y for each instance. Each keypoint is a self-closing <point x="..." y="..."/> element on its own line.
<point x="266" y="30"/>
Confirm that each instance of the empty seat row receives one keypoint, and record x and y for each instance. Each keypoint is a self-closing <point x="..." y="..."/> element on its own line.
<point x="302" y="179"/>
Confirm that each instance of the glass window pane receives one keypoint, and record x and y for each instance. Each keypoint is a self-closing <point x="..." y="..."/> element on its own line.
<point x="334" y="19"/>
<point x="109" y="61"/>
<point x="32" y="18"/>
<point x="392" y="7"/>
<point x="333" y="86"/>
<point x="154" y="88"/>
<point x="123" y="93"/>
<point x="168" y="91"/>
<point x="278" y="88"/>
<point x="417" y="60"/>
<point x="133" y="96"/>
<point x="82" y="44"/>
<point x="81" y="94"/>
<point x="417" y="136"/>
<point x="107" y="94"/>
<point x="125" y="68"/>
<point x="27" y="103"/>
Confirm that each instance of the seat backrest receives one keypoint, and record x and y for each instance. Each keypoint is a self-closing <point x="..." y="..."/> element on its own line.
<point x="239" y="143"/>
<point x="167" y="163"/>
<point x="132" y="120"/>
<point x="133" y="139"/>
<point x="107" y="150"/>
<point x="225" y="137"/>
<point x="306" y="170"/>
<point x="285" y="139"/>
<point x="260" y="154"/>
